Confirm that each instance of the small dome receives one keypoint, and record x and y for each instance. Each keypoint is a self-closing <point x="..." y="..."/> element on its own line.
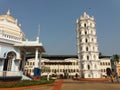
<point x="10" y="28"/>
<point x="8" y="17"/>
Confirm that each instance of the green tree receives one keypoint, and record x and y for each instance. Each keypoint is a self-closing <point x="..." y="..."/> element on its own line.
<point x="114" y="60"/>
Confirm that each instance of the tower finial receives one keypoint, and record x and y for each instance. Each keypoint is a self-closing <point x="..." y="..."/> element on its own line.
<point x="8" y="12"/>
<point x="85" y="14"/>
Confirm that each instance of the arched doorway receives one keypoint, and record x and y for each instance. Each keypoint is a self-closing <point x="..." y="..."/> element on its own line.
<point x="8" y="61"/>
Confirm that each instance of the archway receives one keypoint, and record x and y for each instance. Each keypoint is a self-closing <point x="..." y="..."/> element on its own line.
<point x="8" y="61"/>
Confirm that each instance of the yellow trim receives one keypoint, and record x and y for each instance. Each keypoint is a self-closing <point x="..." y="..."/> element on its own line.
<point x="8" y="17"/>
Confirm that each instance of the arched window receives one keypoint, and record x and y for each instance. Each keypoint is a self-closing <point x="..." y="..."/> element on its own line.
<point x="81" y="48"/>
<point x="92" y="40"/>
<point x="82" y="66"/>
<point x="80" y="40"/>
<point x="103" y="63"/>
<point x="93" y="48"/>
<point x="88" y="66"/>
<point x="86" y="48"/>
<point x="95" y="66"/>
<point x="33" y="63"/>
<point x="84" y="24"/>
<point x="104" y="70"/>
<point x="76" y="63"/>
<point x="91" y="32"/>
<point x="106" y="63"/>
<point x="85" y="32"/>
<point x="87" y="57"/>
<point x="74" y="70"/>
<point x="8" y="61"/>
<point x="94" y="57"/>
<point x="30" y="63"/>
<point x="81" y="56"/>
<point x="88" y="75"/>
<point x="27" y="63"/>
<point x="86" y="40"/>
<point x="80" y="32"/>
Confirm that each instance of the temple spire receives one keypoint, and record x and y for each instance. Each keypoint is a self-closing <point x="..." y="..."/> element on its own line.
<point x="38" y="36"/>
<point x="8" y="12"/>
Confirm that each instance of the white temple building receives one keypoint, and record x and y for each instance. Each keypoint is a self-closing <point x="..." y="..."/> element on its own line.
<point x="13" y="48"/>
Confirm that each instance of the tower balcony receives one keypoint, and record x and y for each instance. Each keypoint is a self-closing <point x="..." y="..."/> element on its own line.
<point x="91" y="70"/>
<point x="89" y="61"/>
<point x="88" y="52"/>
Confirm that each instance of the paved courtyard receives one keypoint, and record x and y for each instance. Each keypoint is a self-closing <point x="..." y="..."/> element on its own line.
<point x="84" y="85"/>
<point x="72" y="85"/>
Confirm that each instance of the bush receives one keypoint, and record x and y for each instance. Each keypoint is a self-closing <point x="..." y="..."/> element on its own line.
<point x="25" y="83"/>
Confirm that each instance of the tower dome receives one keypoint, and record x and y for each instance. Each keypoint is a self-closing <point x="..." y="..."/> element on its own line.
<point x="10" y="29"/>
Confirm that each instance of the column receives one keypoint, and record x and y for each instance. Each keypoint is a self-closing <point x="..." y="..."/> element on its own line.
<point x="36" y="57"/>
<point x="40" y="61"/>
<point x="23" y="63"/>
<point x="2" y="64"/>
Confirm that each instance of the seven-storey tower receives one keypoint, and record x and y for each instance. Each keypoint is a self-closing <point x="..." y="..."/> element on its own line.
<point x="87" y="47"/>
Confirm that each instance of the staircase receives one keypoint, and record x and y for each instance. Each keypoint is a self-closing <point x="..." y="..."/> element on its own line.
<point x="25" y="78"/>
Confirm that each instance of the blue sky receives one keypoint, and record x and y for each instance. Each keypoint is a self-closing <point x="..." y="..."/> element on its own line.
<point x="57" y="22"/>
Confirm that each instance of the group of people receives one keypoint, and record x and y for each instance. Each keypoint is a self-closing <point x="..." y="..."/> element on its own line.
<point x="112" y="75"/>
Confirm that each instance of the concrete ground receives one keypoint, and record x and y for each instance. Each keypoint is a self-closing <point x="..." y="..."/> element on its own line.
<point x="84" y="85"/>
<point x="69" y="84"/>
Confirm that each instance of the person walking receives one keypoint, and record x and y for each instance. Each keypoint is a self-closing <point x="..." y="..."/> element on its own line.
<point x="109" y="74"/>
<point x="117" y="77"/>
<point x="113" y="75"/>
<point x="48" y="76"/>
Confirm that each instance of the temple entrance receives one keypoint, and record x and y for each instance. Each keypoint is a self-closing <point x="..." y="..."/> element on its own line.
<point x="8" y="61"/>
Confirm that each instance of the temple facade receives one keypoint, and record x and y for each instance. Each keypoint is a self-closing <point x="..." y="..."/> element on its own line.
<point x="13" y="47"/>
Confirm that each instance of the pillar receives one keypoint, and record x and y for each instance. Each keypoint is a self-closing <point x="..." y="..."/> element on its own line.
<point x="40" y="61"/>
<point x="36" y="57"/>
<point x="24" y="61"/>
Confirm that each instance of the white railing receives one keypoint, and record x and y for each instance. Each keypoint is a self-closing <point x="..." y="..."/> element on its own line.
<point x="10" y="73"/>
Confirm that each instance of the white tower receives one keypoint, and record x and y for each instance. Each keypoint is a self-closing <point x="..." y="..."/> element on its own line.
<point x="87" y="47"/>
